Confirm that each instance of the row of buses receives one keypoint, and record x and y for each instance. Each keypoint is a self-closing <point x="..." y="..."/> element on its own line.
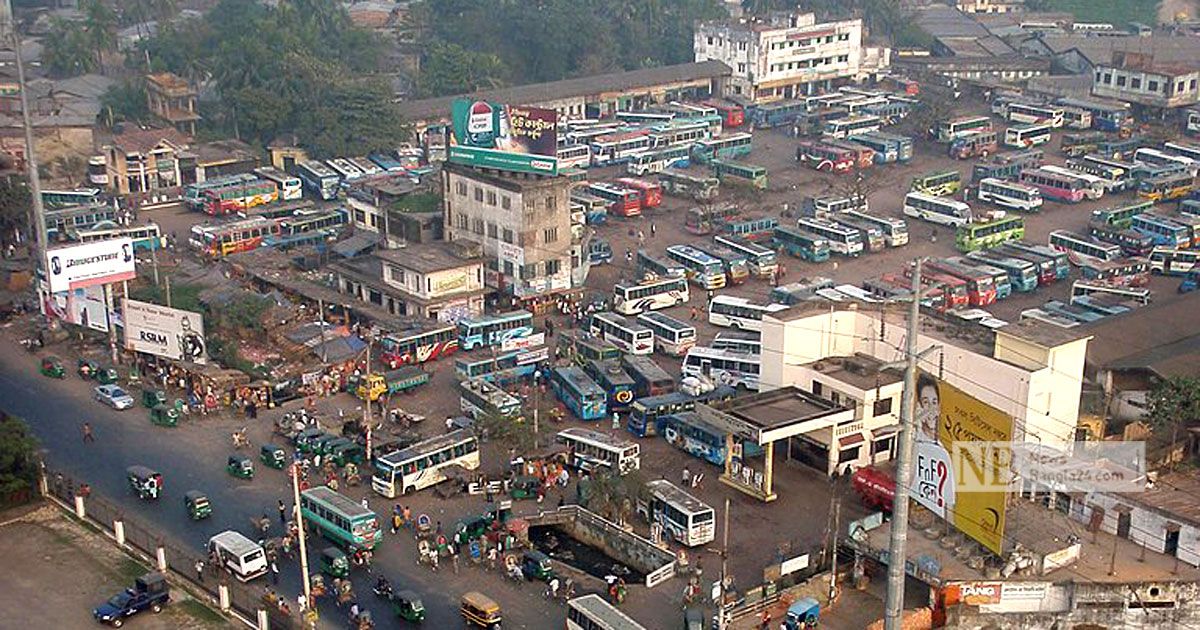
<point x="271" y="227"/>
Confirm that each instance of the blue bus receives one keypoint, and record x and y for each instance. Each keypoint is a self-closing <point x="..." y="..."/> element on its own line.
<point x="579" y="393"/>
<point x="612" y="378"/>
<point x="145" y="237"/>
<point x="1059" y="263"/>
<point x="1022" y="274"/>
<point x="777" y="113"/>
<point x="494" y="330"/>
<point x="754" y="228"/>
<point x="504" y="368"/>
<point x="645" y="412"/>
<point x="77" y="197"/>
<point x="60" y="221"/>
<point x="386" y="162"/>
<point x="888" y="147"/>
<point x="690" y="433"/>
<point x="1105" y="116"/>
<point x="320" y="179"/>
<point x="1163" y="231"/>
<point x="658" y="266"/>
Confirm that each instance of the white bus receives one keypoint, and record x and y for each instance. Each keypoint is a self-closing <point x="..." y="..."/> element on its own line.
<point x="1029" y="114"/>
<point x="1113" y="178"/>
<point x="1155" y="157"/>
<point x="344" y="168"/>
<point x="762" y="259"/>
<point x="941" y="210"/>
<point x="1173" y="262"/>
<point x="671" y="336"/>
<point x="1135" y="294"/>
<point x="658" y="160"/>
<point x="724" y="367"/>
<point x="705" y="270"/>
<point x="682" y="517"/>
<point x="734" y="145"/>
<point x="422" y="464"/>
<point x="740" y="313"/>
<point x="824" y="206"/>
<point x="895" y="231"/>
<point x="1188" y="150"/>
<point x="843" y="240"/>
<point x="592" y="450"/>
<point x="677" y="135"/>
<point x="1093" y="186"/>
<point x="618" y="148"/>
<point x="1009" y="194"/>
<point x="573" y="155"/>
<point x="852" y="126"/>
<point x="1080" y="249"/>
<point x="1025" y="136"/>
<point x="649" y="295"/>
<point x="319" y="178"/>
<point x="629" y="336"/>
<point x="1077" y="118"/>
<point x="740" y="341"/>
<point x="290" y="188"/>
<point x="947" y="130"/>
<point x="367" y="167"/>
<point x="591" y="612"/>
<point x="1039" y="315"/>
<point x="856" y="293"/>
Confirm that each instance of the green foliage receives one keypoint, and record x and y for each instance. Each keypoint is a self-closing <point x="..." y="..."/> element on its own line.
<point x="882" y="17"/>
<point x="15" y="202"/>
<point x="1174" y="402"/>
<point x="419" y="202"/>
<point x="68" y="51"/>
<point x="183" y="296"/>
<point x="18" y="462"/>
<point x="124" y="102"/>
<point x="242" y="314"/>
<point x="452" y="69"/>
<point x="1119" y="13"/>
<point x="613" y="496"/>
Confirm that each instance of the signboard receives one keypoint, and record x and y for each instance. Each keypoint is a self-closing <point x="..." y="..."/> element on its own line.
<point x="932" y="486"/>
<point x="81" y="307"/>
<point x="506" y="137"/>
<point x="520" y="343"/>
<point x="90" y="264"/>
<point x="993" y="593"/>
<point x="791" y="565"/>
<point x="511" y="253"/>
<point x="164" y="332"/>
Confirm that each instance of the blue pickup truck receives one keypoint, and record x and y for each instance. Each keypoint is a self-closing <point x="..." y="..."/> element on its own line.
<point x="149" y="591"/>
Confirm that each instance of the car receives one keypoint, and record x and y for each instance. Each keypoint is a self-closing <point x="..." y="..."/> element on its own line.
<point x="114" y="397"/>
<point x="149" y="591"/>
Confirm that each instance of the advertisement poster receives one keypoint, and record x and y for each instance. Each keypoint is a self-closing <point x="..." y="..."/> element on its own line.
<point x="81" y="307"/>
<point x="90" y="264"/>
<point x="164" y="332"/>
<point x="507" y="137"/>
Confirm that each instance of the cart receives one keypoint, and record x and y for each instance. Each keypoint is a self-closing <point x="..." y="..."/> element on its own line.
<point x="164" y="416"/>
<point x="197" y="505"/>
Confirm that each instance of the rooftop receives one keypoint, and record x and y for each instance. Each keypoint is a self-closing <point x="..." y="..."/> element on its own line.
<point x="534" y="93"/>
<point x="169" y="82"/>
<point x="513" y="182"/>
<point x="862" y="371"/>
<point x="1159" y="325"/>
<point x="223" y="152"/>
<point x="145" y="140"/>
<point x="775" y="414"/>
<point x="1165" y="49"/>
<point x="1178" y="358"/>
<point x="940" y="20"/>
<point x="1174" y="494"/>
<point x="426" y="257"/>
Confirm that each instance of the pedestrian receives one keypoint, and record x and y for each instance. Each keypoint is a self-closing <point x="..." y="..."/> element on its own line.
<point x="364" y="504"/>
<point x="616" y="421"/>
<point x="549" y="327"/>
<point x="552" y="588"/>
<point x="694" y="313"/>
<point x="397" y="523"/>
<point x="317" y="461"/>
<point x="454" y="558"/>
<point x="687" y="477"/>
<point x="301" y="602"/>
<point x="711" y="293"/>
<point x="87" y="433"/>
<point x="274" y="573"/>
<point x="653" y="230"/>
<point x="406" y="514"/>
<point x="628" y="255"/>
<point x="764" y="621"/>
<point x="199" y="570"/>
<point x="449" y="423"/>
<point x="282" y="513"/>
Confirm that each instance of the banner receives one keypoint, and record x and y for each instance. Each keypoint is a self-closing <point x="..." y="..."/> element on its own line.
<point x="164" y="332"/>
<point x="81" y="307"/>
<point x="506" y="137"/>
<point x="90" y="264"/>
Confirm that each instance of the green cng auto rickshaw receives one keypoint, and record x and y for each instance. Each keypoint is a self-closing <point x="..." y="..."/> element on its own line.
<point x="107" y="375"/>
<point x="145" y="482"/>
<point x="197" y="505"/>
<point x="325" y="447"/>
<point x="240" y="466"/>
<point x="524" y="487"/>
<point x="52" y="366"/>
<point x="273" y="456"/>
<point x="152" y="398"/>
<point x="87" y="369"/>
<point x="334" y="562"/>
<point x="408" y="606"/>
<point x="536" y="566"/>
<point x="348" y="453"/>
<point x="303" y="439"/>
<point x="164" y="416"/>
<point x="473" y="526"/>
<point x="314" y="445"/>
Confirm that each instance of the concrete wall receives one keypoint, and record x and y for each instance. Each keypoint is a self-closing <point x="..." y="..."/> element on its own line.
<point x="1147" y="527"/>
<point x="1115" y="606"/>
<point x="624" y="547"/>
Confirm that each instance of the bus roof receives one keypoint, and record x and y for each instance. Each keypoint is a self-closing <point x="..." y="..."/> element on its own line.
<point x="347" y="506"/>
<point x="676" y="495"/>
<point x="604" y="612"/>
<point x="422" y="448"/>
<point x="596" y="437"/>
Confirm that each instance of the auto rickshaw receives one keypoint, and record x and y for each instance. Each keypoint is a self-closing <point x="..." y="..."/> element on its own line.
<point x="524" y="487"/>
<point x="304" y="437"/>
<point x="693" y="619"/>
<point x="240" y="466"/>
<point x="52" y="366"/>
<point x="334" y="563"/>
<point x="803" y="613"/>
<point x="87" y="369"/>
<point x="351" y="453"/>
<point x="536" y="566"/>
<point x="408" y="606"/>
<point x="325" y="447"/>
<point x="273" y="456"/>
<point x="197" y="505"/>
<point x="164" y="416"/>
<point x="152" y="398"/>
<point x="479" y="610"/>
<point x="314" y="445"/>
<point x="474" y="526"/>
<point x="145" y="482"/>
<point x="107" y="375"/>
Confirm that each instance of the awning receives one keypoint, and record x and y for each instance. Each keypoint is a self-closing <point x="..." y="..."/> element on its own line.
<point x="850" y="440"/>
<point x="357" y="244"/>
<point x="885" y="431"/>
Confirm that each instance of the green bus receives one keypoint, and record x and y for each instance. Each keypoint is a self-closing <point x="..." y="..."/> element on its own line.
<point x="988" y="234"/>
<point x="729" y="171"/>
<point x="938" y="184"/>
<point x="803" y="245"/>
<point x="340" y="518"/>
<point x="1121" y="216"/>
<point x="583" y="346"/>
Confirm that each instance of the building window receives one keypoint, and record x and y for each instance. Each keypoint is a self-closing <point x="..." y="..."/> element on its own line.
<point x="478" y="194"/>
<point x="506" y="202"/>
<point x="551" y="203"/>
<point x="1193" y="85"/>
<point x="398" y="275"/>
<point x="461" y="220"/>
<point x="461" y="187"/>
<point x="491" y="197"/>
<point x="883" y="445"/>
<point x="741" y="45"/>
<point x="552" y="267"/>
<point x="882" y="407"/>
<point x="477" y="226"/>
<point x="550" y="235"/>
<point x="1135" y="83"/>
<point x="492" y="231"/>
<point x="847" y="455"/>
<point x="1179" y="87"/>
<point x="742" y="68"/>
<point x="1099" y="78"/>
<point x="508" y="236"/>
<point x="360" y="216"/>
<point x="1120" y="81"/>
<point x="844" y="58"/>
<point x="710" y="41"/>
<point x="529" y="272"/>
<point x="844" y="37"/>
<point x="1152" y="85"/>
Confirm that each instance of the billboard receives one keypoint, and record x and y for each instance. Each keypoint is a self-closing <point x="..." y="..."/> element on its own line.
<point x="164" y="331"/>
<point x="90" y="264"/>
<point x="506" y="137"/>
<point x="81" y="307"/>
<point x="946" y="417"/>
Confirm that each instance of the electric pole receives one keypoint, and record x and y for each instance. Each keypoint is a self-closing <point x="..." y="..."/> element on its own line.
<point x="300" y="529"/>
<point x="35" y="182"/>
<point x="894" y="604"/>
<point x="722" y="622"/>
<point x="837" y="516"/>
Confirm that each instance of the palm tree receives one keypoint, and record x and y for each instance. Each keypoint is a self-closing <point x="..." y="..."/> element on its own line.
<point x="100" y="24"/>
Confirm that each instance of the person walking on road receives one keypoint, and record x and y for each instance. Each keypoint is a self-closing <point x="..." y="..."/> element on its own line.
<point x="88" y="436"/>
<point x="653" y="230"/>
<point x="274" y="573"/>
<point x="200" y="571"/>
<point x="282" y="513"/>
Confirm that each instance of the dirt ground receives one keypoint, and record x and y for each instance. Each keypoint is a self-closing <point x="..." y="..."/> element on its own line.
<point x="82" y="569"/>
<point x="1168" y="10"/>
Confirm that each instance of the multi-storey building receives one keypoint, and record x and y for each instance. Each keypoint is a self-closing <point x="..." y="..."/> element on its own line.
<point x="1136" y="78"/>
<point x="435" y="280"/>
<point x="173" y="100"/>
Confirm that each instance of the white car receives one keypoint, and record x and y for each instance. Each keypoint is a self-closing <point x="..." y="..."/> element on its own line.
<point x="114" y="397"/>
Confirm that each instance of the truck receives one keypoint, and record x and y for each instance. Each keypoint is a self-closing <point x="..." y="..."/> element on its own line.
<point x="373" y="386"/>
<point x="876" y="488"/>
<point x="149" y="591"/>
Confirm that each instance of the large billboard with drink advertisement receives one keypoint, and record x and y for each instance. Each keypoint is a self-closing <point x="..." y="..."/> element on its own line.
<point x="90" y="264"/>
<point x="946" y="479"/>
<point x="506" y="137"/>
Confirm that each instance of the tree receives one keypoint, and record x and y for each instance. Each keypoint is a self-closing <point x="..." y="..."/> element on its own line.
<point x="100" y="27"/>
<point x="1174" y="404"/>
<point x="15" y="202"/>
<point x="452" y="69"/>
<point x="613" y="496"/>
<point x="18" y="459"/>
<point x="124" y="102"/>
<point x="68" y="52"/>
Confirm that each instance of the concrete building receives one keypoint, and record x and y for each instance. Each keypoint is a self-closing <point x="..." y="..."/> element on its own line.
<point x="786" y="55"/>
<point x="144" y="165"/>
<point x="64" y="114"/>
<point x="990" y="6"/>
<point x="1080" y="54"/>
<point x="523" y="223"/>
<point x="206" y="160"/>
<point x="173" y="100"/>
<point x="436" y="281"/>
<point x="376" y="206"/>
<point x="1137" y="78"/>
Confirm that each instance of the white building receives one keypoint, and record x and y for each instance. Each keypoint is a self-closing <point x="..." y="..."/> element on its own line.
<point x="1136" y="78"/>
<point x="788" y="55"/>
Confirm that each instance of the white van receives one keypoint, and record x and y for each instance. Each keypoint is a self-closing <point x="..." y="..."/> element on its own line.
<point x="242" y="556"/>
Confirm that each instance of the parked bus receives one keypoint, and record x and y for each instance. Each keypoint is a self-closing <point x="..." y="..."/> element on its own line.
<point x="649" y="379"/>
<point x="728" y="147"/>
<point x="1011" y="195"/>
<point x="1191" y="221"/>
<point x="1080" y="144"/>
<point x="895" y="231"/>
<point x="869" y="233"/>
<point x="224" y="239"/>
<point x="345" y="169"/>
<point x="1025" y="136"/>
<point x="1162" y="230"/>
<point x="54" y="199"/>
<point x="1029" y="114"/>
<point x="494" y="330"/>
<point x="953" y="289"/>
<point x="801" y="244"/>
<point x="278" y="211"/>
<point x="623" y="202"/>
<point x="738" y="340"/>
<point x="739" y="313"/>
<point x="629" y="336"/>
<point x="582" y="346"/>
<point x="936" y="209"/>
<point x="938" y="184"/>
<point x="740" y="173"/>
<point x="677" y="135"/>
<point x="319" y="178"/>
<point x="981" y="286"/>
<point x="645" y="117"/>
<point x="732" y="114"/>
<point x="387" y="162"/>
<point x="663" y="291"/>
<point x="1076" y="118"/>
<point x="1132" y="242"/>
<point x="843" y="240"/>
<point x="737" y="269"/>
<point x="1136" y="295"/>
<point x="619" y="148"/>
<point x="1106" y="116"/>
<point x="1007" y="165"/>
<point x="1093" y="186"/>
<point x="825" y="207"/>
<point x="1128" y="272"/>
<point x="948" y="130"/>
<point x="1155" y="157"/>
<point x="682" y="517"/>
<point x="754" y="228"/>
<point x="230" y="199"/>
<point x="685" y="184"/>
<point x="595" y="208"/>
<point x="1188" y="150"/>
<point x="592" y="612"/>
<point x="193" y="194"/>
<point x="1055" y="186"/>
<point x="704" y="270"/>
<point x="888" y="147"/>
<point x="658" y="161"/>
<point x="649" y="193"/>
<point x="481" y="398"/>
<point x="724" y="367"/>
<point x="648" y="264"/>
<point x="778" y="113"/>
<point x="1081" y="248"/>
<point x="646" y="411"/>
<point x="822" y="157"/>
<point x="59" y="221"/>
<point x="760" y="258"/>
<point x="579" y="393"/>
<point x="1121" y="216"/>
<point x="1112" y="178"/>
<point x="1166" y="187"/>
<point x="574" y="155"/>
<point x="591" y="451"/>
<point x="671" y="336"/>
<point x="1173" y="262"/>
<point x="864" y="157"/>
<point x="346" y="522"/>
<point x="691" y="433"/>
<point x="974" y="144"/>
<point x="503" y="368"/>
<point x="424" y="464"/>
<point x="1052" y="264"/>
<point x="146" y="237"/>
<point x="852" y="126"/>
<point x="1022" y="274"/>
<point x="418" y="345"/>
<point x="1192" y="126"/>
<point x="988" y="234"/>
<point x="611" y="377"/>
<point x="312" y="220"/>
<point x="290" y="188"/>
<point x="1000" y="276"/>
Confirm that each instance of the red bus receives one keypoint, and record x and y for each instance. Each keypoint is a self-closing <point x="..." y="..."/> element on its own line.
<point x="230" y="238"/>
<point x="416" y="346"/>
<point x="981" y="287"/>
<point x="625" y="202"/>
<point x="1054" y="185"/>
<point x="650" y="192"/>
<point x="823" y="157"/>
<point x="731" y="115"/>
<point x="231" y="199"/>
<point x="864" y="157"/>
<point x="891" y="285"/>
<point x="953" y="288"/>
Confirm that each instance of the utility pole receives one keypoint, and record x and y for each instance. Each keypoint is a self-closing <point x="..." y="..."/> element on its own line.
<point x="167" y="289"/>
<point x="35" y="181"/>
<point x="300" y="528"/>
<point x="321" y="314"/>
<point x="722" y="622"/>
<point x="837" y="516"/>
<point x="894" y="604"/>
<point x="367" y="398"/>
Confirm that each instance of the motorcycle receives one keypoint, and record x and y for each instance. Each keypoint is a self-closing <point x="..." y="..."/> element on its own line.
<point x="383" y="588"/>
